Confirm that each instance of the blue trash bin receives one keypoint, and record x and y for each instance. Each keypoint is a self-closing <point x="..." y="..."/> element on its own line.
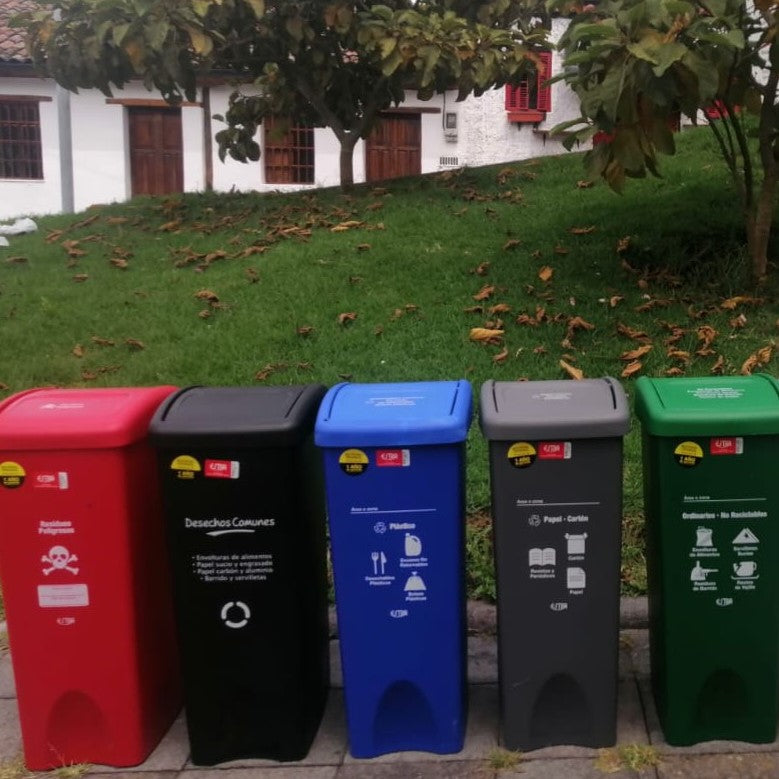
<point x="394" y="471"/>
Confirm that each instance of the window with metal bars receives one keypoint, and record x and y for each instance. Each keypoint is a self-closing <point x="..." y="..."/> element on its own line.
<point x="289" y="157"/>
<point x="20" y="140"/>
<point x="531" y="99"/>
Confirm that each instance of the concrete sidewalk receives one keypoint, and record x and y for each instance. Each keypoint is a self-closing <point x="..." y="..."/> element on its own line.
<point x="329" y="757"/>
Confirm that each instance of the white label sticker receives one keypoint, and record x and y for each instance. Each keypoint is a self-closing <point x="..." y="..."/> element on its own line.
<point x="52" y="596"/>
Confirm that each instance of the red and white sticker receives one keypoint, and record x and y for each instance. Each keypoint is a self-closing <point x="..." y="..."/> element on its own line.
<point x="554" y="450"/>
<point x="52" y="480"/>
<point x="222" y="469"/>
<point x="726" y="446"/>
<point x="393" y="458"/>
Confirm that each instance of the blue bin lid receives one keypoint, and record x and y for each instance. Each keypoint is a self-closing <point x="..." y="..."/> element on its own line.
<point x="405" y="414"/>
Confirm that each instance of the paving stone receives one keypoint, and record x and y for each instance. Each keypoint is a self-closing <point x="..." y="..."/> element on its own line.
<point x="657" y="739"/>
<point x="285" y="771"/>
<point x="98" y="772"/>
<point x="470" y="769"/>
<point x="744" y="766"/>
<point x="336" y="671"/>
<point x="328" y="748"/>
<point x="482" y="660"/>
<point x="634" y="653"/>
<point x="7" y="682"/>
<point x="10" y="733"/>
<point x="568" y="768"/>
<point x="481" y="735"/>
<point x="170" y="754"/>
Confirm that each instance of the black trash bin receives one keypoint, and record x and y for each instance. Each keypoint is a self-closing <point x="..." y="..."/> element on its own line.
<point x="242" y="487"/>
<point x="556" y="473"/>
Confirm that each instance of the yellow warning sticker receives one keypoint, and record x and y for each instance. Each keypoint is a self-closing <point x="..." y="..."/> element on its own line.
<point x="521" y="454"/>
<point x="185" y="466"/>
<point x="353" y="461"/>
<point x="11" y="474"/>
<point x="688" y="454"/>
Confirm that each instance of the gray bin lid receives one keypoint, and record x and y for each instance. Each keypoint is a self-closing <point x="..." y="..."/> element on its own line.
<point x="237" y="416"/>
<point x="533" y="410"/>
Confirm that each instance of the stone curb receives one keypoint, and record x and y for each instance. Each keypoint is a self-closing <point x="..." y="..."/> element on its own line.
<point x="633" y="613"/>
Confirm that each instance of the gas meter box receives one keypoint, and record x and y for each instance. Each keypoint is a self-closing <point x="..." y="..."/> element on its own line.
<point x="85" y="576"/>
<point x="242" y="483"/>
<point x="394" y="466"/>
<point x="711" y="494"/>
<point x="556" y="478"/>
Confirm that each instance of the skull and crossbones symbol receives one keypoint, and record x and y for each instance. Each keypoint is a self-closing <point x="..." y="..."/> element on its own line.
<point x="59" y="559"/>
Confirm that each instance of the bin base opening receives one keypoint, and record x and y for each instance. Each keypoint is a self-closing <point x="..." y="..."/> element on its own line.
<point x="560" y="713"/>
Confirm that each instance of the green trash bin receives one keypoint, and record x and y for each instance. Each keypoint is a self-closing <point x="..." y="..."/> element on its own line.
<point x="711" y="494"/>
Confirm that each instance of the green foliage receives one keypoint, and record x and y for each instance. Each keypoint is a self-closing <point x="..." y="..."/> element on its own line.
<point x="329" y="62"/>
<point x="636" y="64"/>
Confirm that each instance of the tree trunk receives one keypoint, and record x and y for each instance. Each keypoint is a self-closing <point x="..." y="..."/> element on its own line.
<point x="759" y="227"/>
<point x="346" y="161"/>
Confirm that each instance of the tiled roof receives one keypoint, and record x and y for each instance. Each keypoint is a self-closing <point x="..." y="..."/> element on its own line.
<point x="12" y="39"/>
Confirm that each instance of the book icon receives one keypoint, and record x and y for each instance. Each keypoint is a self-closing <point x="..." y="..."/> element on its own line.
<point x="546" y="556"/>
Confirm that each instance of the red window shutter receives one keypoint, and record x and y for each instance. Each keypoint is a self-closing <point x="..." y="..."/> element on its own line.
<point x="544" y="93"/>
<point x="523" y="95"/>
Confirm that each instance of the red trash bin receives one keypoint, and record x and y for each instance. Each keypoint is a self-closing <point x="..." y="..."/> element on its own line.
<point x="85" y="576"/>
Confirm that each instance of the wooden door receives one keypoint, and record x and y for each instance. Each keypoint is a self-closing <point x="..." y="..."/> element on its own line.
<point x="156" y="157"/>
<point x="394" y="148"/>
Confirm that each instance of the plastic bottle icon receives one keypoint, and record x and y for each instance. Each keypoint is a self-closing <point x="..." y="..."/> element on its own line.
<point x="413" y="546"/>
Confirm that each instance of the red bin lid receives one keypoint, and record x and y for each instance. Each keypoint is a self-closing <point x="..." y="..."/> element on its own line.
<point x="78" y="418"/>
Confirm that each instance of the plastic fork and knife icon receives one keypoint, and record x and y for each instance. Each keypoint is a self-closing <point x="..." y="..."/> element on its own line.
<point x="378" y="558"/>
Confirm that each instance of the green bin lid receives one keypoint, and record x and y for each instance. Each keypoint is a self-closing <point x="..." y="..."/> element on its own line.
<point x="710" y="405"/>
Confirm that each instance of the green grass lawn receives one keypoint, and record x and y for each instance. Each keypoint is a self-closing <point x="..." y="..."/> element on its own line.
<point x="387" y="284"/>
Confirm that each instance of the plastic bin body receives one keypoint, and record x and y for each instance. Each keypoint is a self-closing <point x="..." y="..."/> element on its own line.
<point x="85" y="576"/>
<point x="711" y="496"/>
<point x="245" y="514"/>
<point x="556" y="480"/>
<point x="394" y="466"/>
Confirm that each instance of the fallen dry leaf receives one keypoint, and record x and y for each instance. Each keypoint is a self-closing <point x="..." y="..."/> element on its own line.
<point x="583" y="184"/>
<point x="305" y="331"/>
<point x="679" y="354"/>
<point x="560" y="250"/>
<point x="486" y="335"/>
<point x="135" y="344"/>
<point x="96" y="339"/>
<point x="474" y="310"/>
<point x="117" y="220"/>
<point x="350" y="224"/>
<point x="3" y="386"/>
<point x="545" y="273"/>
<point x="88" y="375"/>
<point x="675" y="371"/>
<point x="481" y="269"/>
<point x="739" y="321"/>
<point x="574" y="373"/>
<point x="18" y="260"/>
<point x="631" y="369"/>
<point x="623" y="244"/>
<point x="539" y="350"/>
<point x="706" y="334"/>
<point x="207" y="294"/>
<point x="501" y="356"/>
<point x="77" y="350"/>
<point x="169" y="227"/>
<point x="740" y="300"/>
<point x="512" y="243"/>
<point x="719" y="366"/>
<point x="615" y="300"/>
<point x="486" y="292"/>
<point x="346" y="317"/>
<point x="499" y="308"/>
<point x="582" y="230"/>
<point x="119" y="262"/>
<point x="79" y="277"/>
<point x="363" y="247"/>
<point x="204" y="313"/>
<point x="270" y="368"/>
<point x="251" y="275"/>
<point x="636" y="354"/>
<point x="636" y="335"/>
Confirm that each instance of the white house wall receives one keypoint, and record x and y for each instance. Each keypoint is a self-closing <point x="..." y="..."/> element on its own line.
<point x="19" y="197"/>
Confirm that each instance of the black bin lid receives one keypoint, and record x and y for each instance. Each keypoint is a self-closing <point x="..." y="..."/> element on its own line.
<point x="237" y="416"/>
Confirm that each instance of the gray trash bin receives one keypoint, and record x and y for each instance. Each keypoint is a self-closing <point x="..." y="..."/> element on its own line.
<point x="556" y="474"/>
